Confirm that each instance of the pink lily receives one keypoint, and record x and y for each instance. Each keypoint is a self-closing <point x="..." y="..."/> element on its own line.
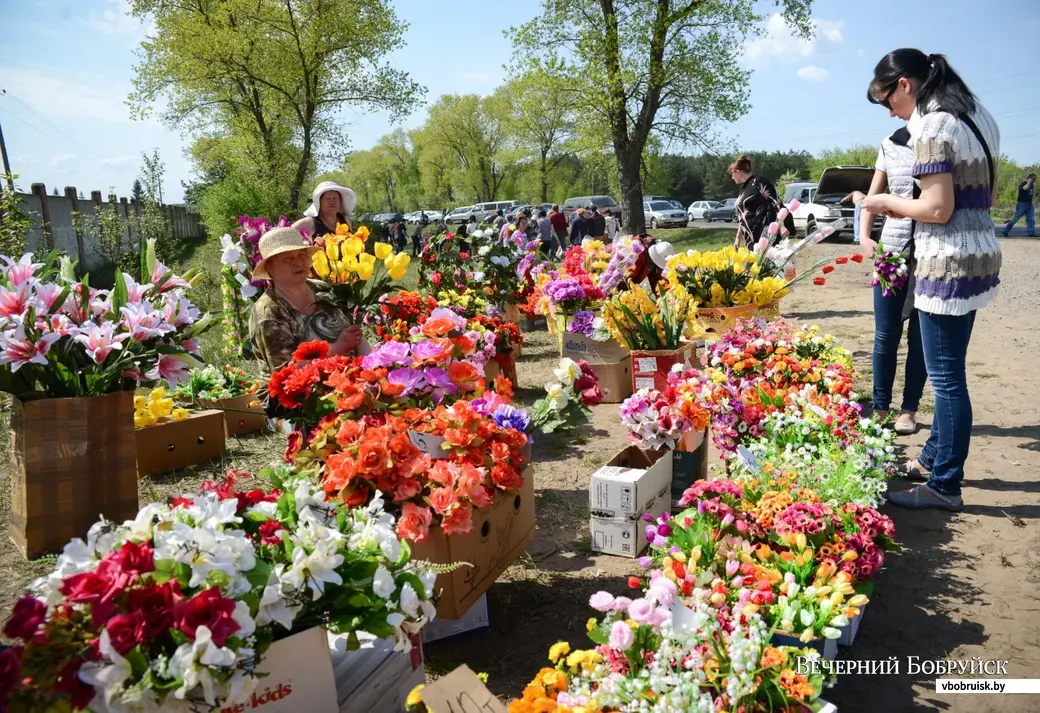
<point x="21" y="271"/>
<point x="193" y="346"/>
<point x="180" y="312"/>
<point x="100" y="341"/>
<point x="17" y="351"/>
<point x="135" y="292"/>
<point x="46" y="294"/>
<point x="13" y="303"/>
<point x="172" y="283"/>
<point x="173" y="369"/>
<point x="144" y="321"/>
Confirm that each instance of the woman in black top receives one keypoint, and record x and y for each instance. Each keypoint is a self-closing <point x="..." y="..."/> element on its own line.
<point x="757" y="205"/>
<point x="330" y="205"/>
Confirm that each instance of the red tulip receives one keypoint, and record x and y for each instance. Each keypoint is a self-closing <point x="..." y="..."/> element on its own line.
<point x="827" y="269"/>
<point x="841" y="259"/>
<point x="819" y="281"/>
<point x="857" y="257"/>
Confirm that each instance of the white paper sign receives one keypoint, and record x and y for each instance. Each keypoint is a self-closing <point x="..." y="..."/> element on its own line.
<point x="644" y="383"/>
<point x="646" y="365"/>
<point x="427" y="443"/>
<point x="749" y="459"/>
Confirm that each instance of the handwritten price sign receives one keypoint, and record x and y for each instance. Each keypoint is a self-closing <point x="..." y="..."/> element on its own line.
<point x="461" y="692"/>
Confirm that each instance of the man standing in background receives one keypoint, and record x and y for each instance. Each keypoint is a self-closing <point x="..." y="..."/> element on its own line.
<point x="559" y="225"/>
<point x="597" y="228"/>
<point x="1024" y="206"/>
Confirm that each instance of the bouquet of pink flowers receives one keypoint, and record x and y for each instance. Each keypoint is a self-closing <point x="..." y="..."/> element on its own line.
<point x="653" y="420"/>
<point x="891" y="272"/>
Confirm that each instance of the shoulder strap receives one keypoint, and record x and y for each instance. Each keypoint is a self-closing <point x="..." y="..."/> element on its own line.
<point x="985" y="147"/>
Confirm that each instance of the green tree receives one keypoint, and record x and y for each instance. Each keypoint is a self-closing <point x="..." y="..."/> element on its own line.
<point x="541" y="121"/>
<point x="271" y="73"/>
<point x="638" y="68"/>
<point x="137" y="192"/>
<point x="858" y="155"/>
<point x="781" y="183"/>
<point x="15" y="223"/>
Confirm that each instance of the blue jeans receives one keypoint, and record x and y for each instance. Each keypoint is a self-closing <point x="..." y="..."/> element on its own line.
<point x="1021" y="209"/>
<point x="945" y="339"/>
<point x="888" y="332"/>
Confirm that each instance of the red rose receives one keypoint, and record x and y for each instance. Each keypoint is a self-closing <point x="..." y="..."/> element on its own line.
<point x="856" y="257"/>
<point x="125" y="631"/>
<point x="435" y="278"/>
<point x="592" y="395"/>
<point x="269" y="532"/>
<point x="292" y="446"/>
<point x="10" y="670"/>
<point x="464" y="256"/>
<point x="26" y="617"/>
<point x="84" y="588"/>
<point x="81" y="694"/>
<point x="132" y="558"/>
<point x="208" y="609"/>
<point x="155" y="604"/>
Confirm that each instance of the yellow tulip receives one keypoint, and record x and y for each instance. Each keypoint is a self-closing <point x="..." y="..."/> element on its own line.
<point x="396" y="273"/>
<point x="140" y="402"/>
<point x="157" y="393"/>
<point x="367" y="259"/>
<point x="348" y="264"/>
<point x="179" y="414"/>
<point x="402" y="260"/>
<point x="364" y="270"/>
<point x="354" y="247"/>
<point x="362" y="233"/>
<point x="321" y="265"/>
<point x="332" y="248"/>
<point x="384" y="250"/>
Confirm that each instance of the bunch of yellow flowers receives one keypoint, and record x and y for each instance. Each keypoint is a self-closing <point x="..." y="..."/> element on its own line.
<point x="730" y="277"/>
<point x="155" y="408"/>
<point x="343" y="259"/>
<point x="597" y="257"/>
<point x="641" y="320"/>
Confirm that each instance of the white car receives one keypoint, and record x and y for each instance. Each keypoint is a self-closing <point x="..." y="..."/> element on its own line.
<point x="820" y="203"/>
<point x="697" y="209"/>
<point x="661" y="214"/>
<point x="459" y="215"/>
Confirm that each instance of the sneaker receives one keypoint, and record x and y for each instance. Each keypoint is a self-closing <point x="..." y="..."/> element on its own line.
<point x="924" y="498"/>
<point x="906" y="424"/>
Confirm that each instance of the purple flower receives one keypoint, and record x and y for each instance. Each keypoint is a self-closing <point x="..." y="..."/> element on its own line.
<point x="451" y="316"/>
<point x="410" y="379"/>
<point x="424" y="350"/>
<point x="582" y="323"/>
<point x="645" y="562"/>
<point x="511" y="417"/>
<point x="566" y="289"/>
<point x="389" y="354"/>
<point x="440" y="381"/>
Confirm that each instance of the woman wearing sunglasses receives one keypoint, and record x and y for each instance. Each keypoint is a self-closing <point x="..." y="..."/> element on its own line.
<point x="955" y="141"/>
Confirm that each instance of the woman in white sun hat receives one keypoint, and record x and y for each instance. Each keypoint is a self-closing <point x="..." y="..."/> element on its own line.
<point x="291" y="312"/>
<point x="330" y="204"/>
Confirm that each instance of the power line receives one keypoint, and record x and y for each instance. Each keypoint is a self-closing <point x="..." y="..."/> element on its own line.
<point x="68" y="139"/>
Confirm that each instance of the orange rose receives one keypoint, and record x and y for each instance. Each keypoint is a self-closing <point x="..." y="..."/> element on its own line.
<point x="459" y="437"/>
<point x="340" y="469"/>
<point x="506" y="477"/>
<point x="464" y="344"/>
<point x="442" y="500"/>
<point x="351" y="402"/>
<point x="402" y="449"/>
<point x="407" y="489"/>
<point x="503" y="387"/>
<point x="373" y="457"/>
<point x="349" y="432"/>
<point x="437" y="327"/>
<point x="355" y="494"/>
<point x="464" y="374"/>
<point x="500" y="452"/>
<point x="414" y="523"/>
<point x="392" y="390"/>
<point x="459" y="521"/>
<point x="442" y="472"/>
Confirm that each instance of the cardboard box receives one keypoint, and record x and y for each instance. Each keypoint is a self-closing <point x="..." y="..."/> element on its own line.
<point x="629" y="483"/>
<point x="626" y="538"/>
<point x="239" y="417"/>
<point x="615" y="380"/>
<point x="475" y="620"/>
<point x="172" y="445"/>
<point x="494" y="368"/>
<point x="500" y="533"/>
<point x="689" y="464"/>
<point x="374" y="677"/>
<point x="650" y="369"/>
<point x="299" y="677"/>
<point x="578" y="346"/>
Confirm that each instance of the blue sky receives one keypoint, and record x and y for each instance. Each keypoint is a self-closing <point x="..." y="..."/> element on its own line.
<point x="67" y="67"/>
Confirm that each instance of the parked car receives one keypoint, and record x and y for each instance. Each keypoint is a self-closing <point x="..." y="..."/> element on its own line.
<point x="727" y="211"/>
<point x="677" y="204"/>
<point x="459" y="215"/>
<point x="484" y="212"/>
<point x="820" y="203"/>
<point x="662" y="214"/>
<point x="572" y="204"/>
<point x="515" y="210"/>
<point x="434" y="215"/>
<point x="698" y="208"/>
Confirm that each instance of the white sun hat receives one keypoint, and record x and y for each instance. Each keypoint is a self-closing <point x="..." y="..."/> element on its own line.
<point x="347" y="198"/>
<point x="660" y="252"/>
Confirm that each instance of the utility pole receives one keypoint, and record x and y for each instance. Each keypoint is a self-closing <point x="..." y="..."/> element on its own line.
<point x="7" y="165"/>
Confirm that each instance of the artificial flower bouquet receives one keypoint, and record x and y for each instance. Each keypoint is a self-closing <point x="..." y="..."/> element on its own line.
<point x="574" y="288"/>
<point x="726" y="278"/>
<point x="746" y="349"/>
<point x="401" y="311"/>
<point x="449" y="261"/>
<point x="507" y="337"/>
<point x="587" y="324"/>
<point x="891" y="271"/>
<point x="215" y="384"/>
<point x="660" y="653"/>
<point x="175" y="609"/>
<point x="625" y="253"/>
<point x="497" y="261"/>
<point x="356" y="279"/>
<point x="468" y="302"/>
<point x="662" y="320"/>
<point x="155" y="408"/>
<point x="61" y="338"/>
<point x="565" y="404"/>
<point x="660" y="419"/>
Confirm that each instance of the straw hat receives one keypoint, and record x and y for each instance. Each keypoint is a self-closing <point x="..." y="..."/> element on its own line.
<point x="347" y="198"/>
<point x="660" y="252"/>
<point x="275" y="242"/>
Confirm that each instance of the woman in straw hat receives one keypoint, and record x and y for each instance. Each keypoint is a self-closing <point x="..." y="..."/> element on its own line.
<point x="290" y="312"/>
<point x="330" y="204"/>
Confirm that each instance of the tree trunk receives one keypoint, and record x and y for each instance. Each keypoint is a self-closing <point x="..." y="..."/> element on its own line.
<point x="544" y="176"/>
<point x="630" y="181"/>
<point x="301" y="170"/>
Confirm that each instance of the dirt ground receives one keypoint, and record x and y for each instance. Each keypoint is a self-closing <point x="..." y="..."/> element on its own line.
<point x="964" y="587"/>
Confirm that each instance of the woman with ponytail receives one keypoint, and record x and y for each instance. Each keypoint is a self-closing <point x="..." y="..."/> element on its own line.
<point x="955" y="142"/>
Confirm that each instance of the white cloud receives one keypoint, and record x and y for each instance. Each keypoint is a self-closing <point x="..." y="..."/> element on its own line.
<point x="119" y="161"/>
<point x="778" y="40"/>
<point x="116" y="20"/>
<point x="58" y="96"/>
<point x="60" y="159"/>
<point x="812" y="73"/>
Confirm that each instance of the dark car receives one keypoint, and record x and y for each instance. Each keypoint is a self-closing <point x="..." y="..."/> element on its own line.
<point x="572" y="204"/>
<point x="515" y="211"/>
<point x="727" y="211"/>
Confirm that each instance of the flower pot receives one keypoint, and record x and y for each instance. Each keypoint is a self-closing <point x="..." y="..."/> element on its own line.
<point x="848" y="633"/>
<point x="770" y="311"/>
<point x="827" y="648"/>
<point x="172" y="445"/>
<point x="718" y="320"/>
<point x="689" y="464"/>
<point x="240" y="418"/>
<point x="650" y="368"/>
<point x="73" y="461"/>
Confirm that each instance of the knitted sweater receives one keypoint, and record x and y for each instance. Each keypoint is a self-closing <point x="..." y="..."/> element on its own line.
<point x="958" y="262"/>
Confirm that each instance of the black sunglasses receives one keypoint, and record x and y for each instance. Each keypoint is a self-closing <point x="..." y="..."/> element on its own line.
<point x="885" y="101"/>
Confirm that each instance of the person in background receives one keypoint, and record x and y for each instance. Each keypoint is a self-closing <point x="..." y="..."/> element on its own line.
<point x="612" y="224"/>
<point x="442" y="227"/>
<point x="417" y="236"/>
<point x="757" y="205"/>
<point x="400" y="236"/>
<point x="500" y="219"/>
<point x="330" y="205"/>
<point x="546" y="235"/>
<point x="579" y="227"/>
<point x="893" y="172"/>
<point x="956" y="143"/>
<point x="1024" y="207"/>
<point x="597" y="227"/>
<point x="290" y="311"/>
<point x="471" y="225"/>
<point x="559" y="224"/>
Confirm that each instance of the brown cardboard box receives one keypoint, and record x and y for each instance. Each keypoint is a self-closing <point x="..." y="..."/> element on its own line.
<point x="615" y="380"/>
<point x="239" y="417"/>
<point x="493" y="369"/>
<point x="297" y="676"/>
<point x="578" y="347"/>
<point x="172" y="445"/>
<point x="500" y="533"/>
<point x="72" y="461"/>
<point x="650" y="369"/>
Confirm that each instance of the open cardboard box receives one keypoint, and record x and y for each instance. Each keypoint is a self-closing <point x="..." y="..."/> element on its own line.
<point x="650" y="369"/>
<point x="240" y="416"/>
<point x="172" y="445"/>
<point x="500" y="534"/>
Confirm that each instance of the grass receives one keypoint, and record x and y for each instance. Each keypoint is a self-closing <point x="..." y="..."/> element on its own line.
<point x="696" y="238"/>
